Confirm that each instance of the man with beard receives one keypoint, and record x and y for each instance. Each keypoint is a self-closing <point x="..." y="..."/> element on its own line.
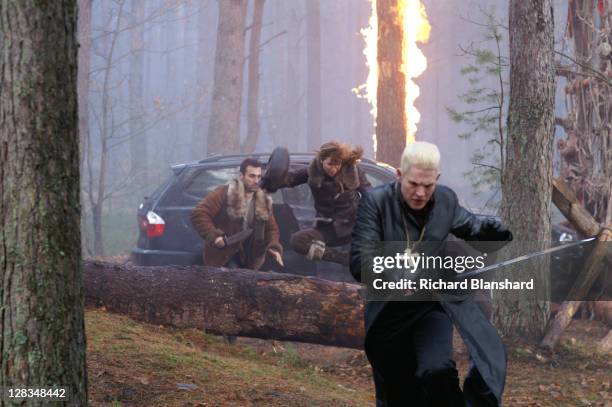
<point x="409" y="343"/>
<point x="239" y="208"/>
<point x="336" y="181"/>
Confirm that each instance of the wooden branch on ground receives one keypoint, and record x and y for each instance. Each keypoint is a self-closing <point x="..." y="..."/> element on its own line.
<point x="231" y="301"/>
<point x="566" y="201"/>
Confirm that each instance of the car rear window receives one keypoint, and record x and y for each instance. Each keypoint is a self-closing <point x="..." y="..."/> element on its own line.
<point x="195" y="183"/>
<point x="377" y="178"/>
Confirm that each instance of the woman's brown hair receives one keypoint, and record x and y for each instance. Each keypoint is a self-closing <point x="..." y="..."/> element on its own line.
<point x="340" y="152"/>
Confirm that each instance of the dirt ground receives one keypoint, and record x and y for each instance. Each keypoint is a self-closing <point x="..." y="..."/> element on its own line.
<point x="135" y="364"/>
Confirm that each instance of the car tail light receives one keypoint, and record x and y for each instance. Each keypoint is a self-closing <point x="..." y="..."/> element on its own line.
<point x="152" y="224"/>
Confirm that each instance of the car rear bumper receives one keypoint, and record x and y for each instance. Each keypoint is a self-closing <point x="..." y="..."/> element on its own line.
<point x="144" y="257"/>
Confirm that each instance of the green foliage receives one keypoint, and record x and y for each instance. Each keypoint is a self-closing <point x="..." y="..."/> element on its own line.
<point x="485" y="110"/>
<point x="290" y="357"/>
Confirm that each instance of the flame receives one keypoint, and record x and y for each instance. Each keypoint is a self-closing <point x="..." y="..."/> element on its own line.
<point x="413" y="19"/>
<point x="414" y="63"/>
<point x="369" y="89"/>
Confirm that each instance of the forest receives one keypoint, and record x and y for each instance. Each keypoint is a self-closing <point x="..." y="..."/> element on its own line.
<point x="125" y="125"/>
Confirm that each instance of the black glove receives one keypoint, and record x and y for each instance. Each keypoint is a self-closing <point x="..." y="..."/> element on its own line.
<point x="276" y="170"/>
<point x="495" y="231"/>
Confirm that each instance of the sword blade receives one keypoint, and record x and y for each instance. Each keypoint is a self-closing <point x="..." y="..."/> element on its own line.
<point x="238" y="237"/>
<point x="523" y="258"/>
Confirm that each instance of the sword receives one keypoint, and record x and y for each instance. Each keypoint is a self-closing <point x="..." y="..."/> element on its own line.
<point x="522" y="258"/>
<point x="321" y="220"/>
<point x="237" y="237"/>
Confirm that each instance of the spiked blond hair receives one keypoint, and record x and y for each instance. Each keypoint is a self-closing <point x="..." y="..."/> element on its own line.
<point x="422" y="154"/>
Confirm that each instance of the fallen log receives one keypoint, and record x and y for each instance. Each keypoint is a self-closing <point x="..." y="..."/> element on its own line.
<point x="565" y="200"/>
<point x="231" y="301"/>
<point x="593" y="267"/>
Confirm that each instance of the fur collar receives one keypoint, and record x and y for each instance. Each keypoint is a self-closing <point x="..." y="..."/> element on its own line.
<point x="347" y="178"/>
<point x="237" y="205"/>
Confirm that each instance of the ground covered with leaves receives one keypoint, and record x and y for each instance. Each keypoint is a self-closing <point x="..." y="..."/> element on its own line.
<point x="136" y="364"/>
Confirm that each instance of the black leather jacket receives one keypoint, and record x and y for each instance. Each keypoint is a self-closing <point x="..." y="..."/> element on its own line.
<point x="379" y="219"/>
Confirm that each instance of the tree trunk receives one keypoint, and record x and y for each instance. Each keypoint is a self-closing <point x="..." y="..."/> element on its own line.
<point x="42" y="340"/>
<point x="292" y="118"/>
<point x="362" y="132"/>
<point x="313" y="75"/>
<point x="96" y="220"/>
<point x="586" y="155"/>
<point x="84" y="30"/>
<point x="235" y="302"/>
<point x="253" y="115"/>
<point x="169" y="34"/>
<point x="138" y="145"/>
<point x="527" y="177"/>
<point x="565" y="200"/>
<point x="391" y="93"/>
<point x="199" y="132"/>
<point x="224" y="124"/>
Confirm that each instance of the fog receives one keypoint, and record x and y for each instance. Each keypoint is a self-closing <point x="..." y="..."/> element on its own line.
<point x="168" y="123"/>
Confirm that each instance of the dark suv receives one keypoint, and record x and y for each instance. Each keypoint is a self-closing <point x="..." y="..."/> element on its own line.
<point x="167" y="235"/>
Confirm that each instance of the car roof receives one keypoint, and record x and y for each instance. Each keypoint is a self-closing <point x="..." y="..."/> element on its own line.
<point x="236" y="159"/>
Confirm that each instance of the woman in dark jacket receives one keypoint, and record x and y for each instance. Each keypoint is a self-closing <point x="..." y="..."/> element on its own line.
<point x="337" y="182"/>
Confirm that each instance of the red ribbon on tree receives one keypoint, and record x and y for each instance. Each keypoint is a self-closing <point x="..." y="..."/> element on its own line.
<point x="600" y="7"/>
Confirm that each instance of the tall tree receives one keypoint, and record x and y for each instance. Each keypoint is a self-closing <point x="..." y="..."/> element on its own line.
<point x="313" y="81"/>
<point x="42" y="339"/>
<point x="586" y="155"/>
<point x="138" y="145"/>
<point x="527" y="175"/>
<point x="391" y="93"/>
<point x="84" y="32"/>
<point x="292" y="110"/>
<point x="224" y="124"/>
<point x="253" y="91"/>
<point x="199" y="132"/>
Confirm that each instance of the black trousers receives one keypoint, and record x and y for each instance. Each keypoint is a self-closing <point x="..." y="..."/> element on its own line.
<point x="411" y="355"/>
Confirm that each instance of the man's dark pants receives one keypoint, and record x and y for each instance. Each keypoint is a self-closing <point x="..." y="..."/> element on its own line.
<point x="414" y="362"/>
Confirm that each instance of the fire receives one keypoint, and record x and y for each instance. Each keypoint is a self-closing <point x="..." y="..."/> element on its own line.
<point x="414" y="63"/>
<point x="416" y="30"/>
<point x="368" y="89"/>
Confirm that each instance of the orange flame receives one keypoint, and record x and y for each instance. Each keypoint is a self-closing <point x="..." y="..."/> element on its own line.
<point x="416" y="29"/>
<point x="414" y="63"/>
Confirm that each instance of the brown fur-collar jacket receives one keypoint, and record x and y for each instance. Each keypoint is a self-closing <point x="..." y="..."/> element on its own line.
<point x="336" y="197"/>
<point x="223" y="212"/>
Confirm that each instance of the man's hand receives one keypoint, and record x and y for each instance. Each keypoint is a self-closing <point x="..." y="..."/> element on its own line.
<point x="219" y="242"/>
<point x="277" y="256"/>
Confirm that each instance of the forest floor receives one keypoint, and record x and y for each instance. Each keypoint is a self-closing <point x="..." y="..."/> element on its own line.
<point x="136" y="364"/>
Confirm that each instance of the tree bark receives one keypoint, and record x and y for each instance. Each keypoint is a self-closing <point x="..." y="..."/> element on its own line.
<point x="313" y="74"/>
<point x="586" y="156"/>
<point x="527" y="177"/>
<point x="565" y="200"/>
<point x="253" y="115"/>
<point x="199" y="131"/>
<point x="292" y="118"/>
<point x="42" y="340"/>
<point x="224" y="124"/>
<point x="84" y="33"/>
<point x="233" y="302"/>
<point x="138" y="145"/>
<point x="391" y="93"/>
